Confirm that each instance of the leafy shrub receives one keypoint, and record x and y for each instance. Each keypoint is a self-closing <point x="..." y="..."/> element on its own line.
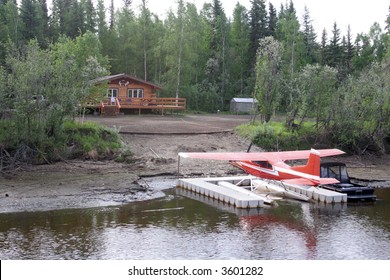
<point x="275" y="136"/>
<point x="74" y="140"/>
<point x="91" y="140"/>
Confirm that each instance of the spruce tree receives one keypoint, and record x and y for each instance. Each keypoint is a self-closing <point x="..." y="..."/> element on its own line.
<point x="112" y="15"/>
<point x="90" y="16"/>
<point x="145" y="24"/>
<point x="216" y="64"/>
<point x="54" y="21"/>
<point x="272" y="21"/>
<point x="29" y="18"/>
<point x="387" y="37"/>
<point x="309" y="39"/>
<point x="324" y="50"/>
<point x="74" y="20"/>
<point x="387" y="27"/>
<point x="127" y="3"/>
<point x="258" y="27"/>
<point x="348" y="52"/>
<point x="289" y="33"/>
<point x="101" y="19"/>
<point x="218" y="20"/>
<point x="240" y="46"/>
<point x="67" y="18"/>
<point x="43" y="29"/>
<point x="335" y="47"/>
<point x="122" y="43"/>
<point x="4" y="33"/>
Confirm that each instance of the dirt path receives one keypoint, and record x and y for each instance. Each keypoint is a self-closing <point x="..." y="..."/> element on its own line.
<point x="155" y="142"/>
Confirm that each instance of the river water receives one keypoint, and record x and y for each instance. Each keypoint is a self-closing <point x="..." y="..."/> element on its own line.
<point x="181" y="225"/>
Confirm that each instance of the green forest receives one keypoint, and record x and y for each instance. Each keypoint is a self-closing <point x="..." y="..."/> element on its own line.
<point x="340" y="83"/>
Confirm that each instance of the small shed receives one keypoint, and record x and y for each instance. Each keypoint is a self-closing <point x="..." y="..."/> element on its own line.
<point x="243" y="105"/>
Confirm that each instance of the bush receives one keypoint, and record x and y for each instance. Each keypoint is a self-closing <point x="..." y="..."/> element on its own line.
<point x="274" y="136"/>
<point x="90" y="140"/>
<point x="7" y="137"/>
<point x="73" y="140"/>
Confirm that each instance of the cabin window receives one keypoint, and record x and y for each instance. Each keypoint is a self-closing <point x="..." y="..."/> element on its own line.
<point x="135" y="93"/>
<point x="112" y="92"/>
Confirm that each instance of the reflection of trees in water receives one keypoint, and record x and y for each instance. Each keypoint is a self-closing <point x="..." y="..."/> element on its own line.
<point x="166" y="227"/>
<point x="66" y="234"/>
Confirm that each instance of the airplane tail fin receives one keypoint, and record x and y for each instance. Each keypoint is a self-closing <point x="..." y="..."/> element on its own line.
<point x="313" y="164"/>
<point x="313" y="170"/>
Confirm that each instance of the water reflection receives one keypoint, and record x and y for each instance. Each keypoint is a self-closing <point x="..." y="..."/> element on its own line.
<point x="192" y="229"/>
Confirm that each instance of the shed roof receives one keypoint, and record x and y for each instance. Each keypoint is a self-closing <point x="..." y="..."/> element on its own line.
<point x="244" y="100"/>
<point x="125" y="76"/>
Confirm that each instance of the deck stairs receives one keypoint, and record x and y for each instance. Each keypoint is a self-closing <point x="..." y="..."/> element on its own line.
<point x="110" y="110"/>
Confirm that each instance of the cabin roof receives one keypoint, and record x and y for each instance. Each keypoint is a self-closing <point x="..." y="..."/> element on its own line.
<point x="124" y="76"/>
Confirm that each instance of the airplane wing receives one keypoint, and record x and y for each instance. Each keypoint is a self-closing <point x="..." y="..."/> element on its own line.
<point x="226" y="156"/>
<point x="294" y="155"/>
<point x="267" y="156"/>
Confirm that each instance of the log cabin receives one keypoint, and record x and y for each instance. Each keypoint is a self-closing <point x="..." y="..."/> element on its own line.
<point x="128" y="93"/>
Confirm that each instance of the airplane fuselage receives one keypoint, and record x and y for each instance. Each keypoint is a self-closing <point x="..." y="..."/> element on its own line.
<point x="267" y="171"/>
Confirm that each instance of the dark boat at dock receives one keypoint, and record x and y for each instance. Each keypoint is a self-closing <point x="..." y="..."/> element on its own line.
<point x="354" y="191"/>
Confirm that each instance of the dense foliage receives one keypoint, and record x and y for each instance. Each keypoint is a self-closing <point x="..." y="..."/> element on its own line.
<point x="275" y="136"/>
<point x="339" y="83"/>
<point x="76" y="140"/>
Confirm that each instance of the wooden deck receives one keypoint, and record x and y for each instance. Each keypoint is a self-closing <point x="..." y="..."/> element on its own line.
<point x="160" y="105"/>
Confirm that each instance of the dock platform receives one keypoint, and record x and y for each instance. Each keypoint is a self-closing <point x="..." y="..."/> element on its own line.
<point x="245" y="191"/>
<point x="225" y="190"/>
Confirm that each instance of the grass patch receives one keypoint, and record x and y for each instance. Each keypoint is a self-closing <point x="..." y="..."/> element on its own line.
<point x="91" y="140"/>
<point x="70" y="140"/>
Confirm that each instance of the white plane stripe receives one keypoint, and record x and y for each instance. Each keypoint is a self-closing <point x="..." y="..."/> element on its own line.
<point x="297" y="173"/>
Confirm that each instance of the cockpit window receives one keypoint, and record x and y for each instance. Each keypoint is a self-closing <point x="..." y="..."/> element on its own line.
<point x="263" y="164"/>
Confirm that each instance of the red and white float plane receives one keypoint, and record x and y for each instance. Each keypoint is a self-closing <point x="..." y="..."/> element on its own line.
<point x="271" y="165"/>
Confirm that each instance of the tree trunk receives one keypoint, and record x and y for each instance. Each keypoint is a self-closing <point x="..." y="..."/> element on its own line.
<point x="179" y="59"/>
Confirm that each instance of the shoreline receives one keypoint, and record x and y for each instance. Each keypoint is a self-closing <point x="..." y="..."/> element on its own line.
<point x="85" y="184"/>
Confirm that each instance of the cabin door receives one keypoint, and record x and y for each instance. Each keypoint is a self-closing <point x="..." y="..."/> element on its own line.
<point x="122" y="94"/>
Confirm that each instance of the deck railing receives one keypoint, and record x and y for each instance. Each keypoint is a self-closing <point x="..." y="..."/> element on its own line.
<point x="154" y="103"/>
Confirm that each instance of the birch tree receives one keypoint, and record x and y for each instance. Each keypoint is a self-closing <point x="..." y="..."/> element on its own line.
<point x="268" y="74"/>
<point x="362" y="122"/>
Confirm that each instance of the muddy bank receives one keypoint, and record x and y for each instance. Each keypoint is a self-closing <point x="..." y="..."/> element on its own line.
<point x="70" y="185"/>
<point x="83" y="184"/>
